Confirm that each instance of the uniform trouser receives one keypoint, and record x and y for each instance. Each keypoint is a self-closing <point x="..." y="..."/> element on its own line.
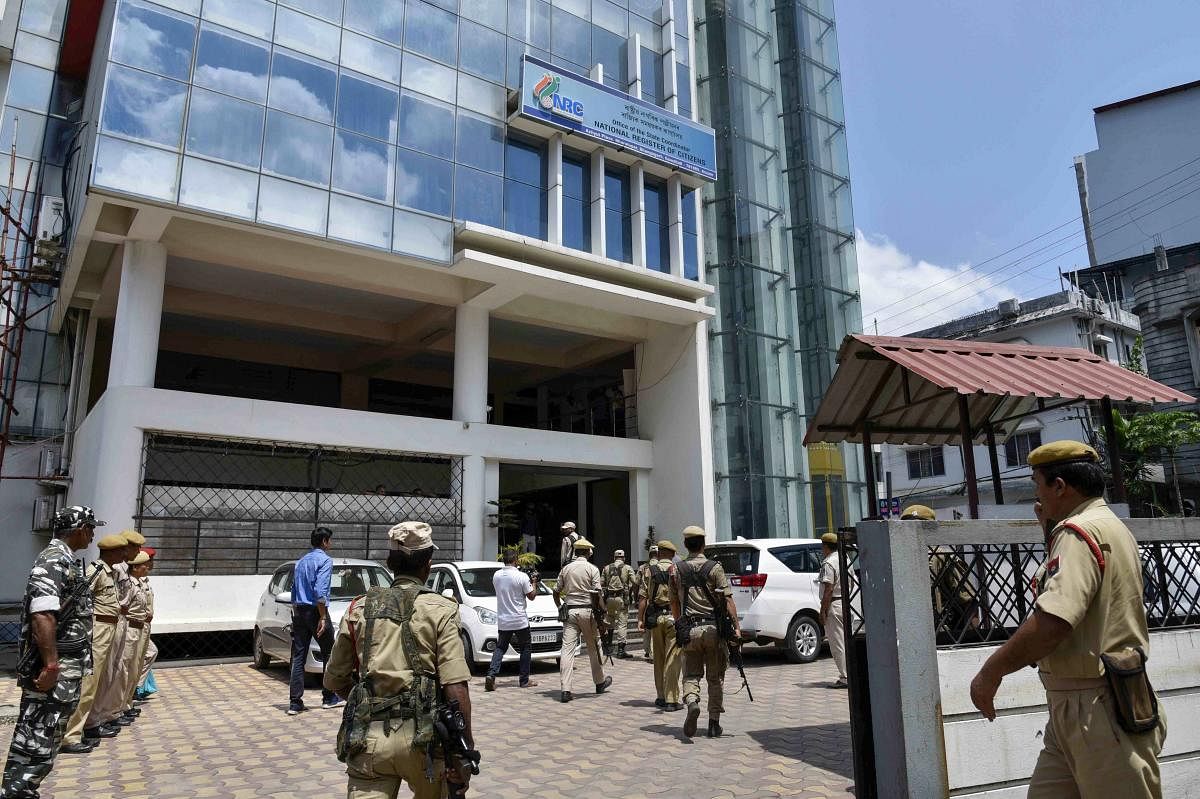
<point x="149" y="655"/>
<point x="125" y="674"/>
<point x="666" y="660"/>
<point x="617" y="616"/>
<point x="108" y="692"/>
<point x="705" y="656"/>
<point x="1086" y="755"/>
<point x="390" y="760"/>
<point x="137" y="665"/>
<point x="835" y="634"/>
<point x="41" y="724"/>
<point x="580" y="625"/>
<point x="89" y="688"/>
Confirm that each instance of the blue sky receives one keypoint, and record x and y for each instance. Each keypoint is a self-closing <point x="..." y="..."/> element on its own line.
<point x="963" y="120"/>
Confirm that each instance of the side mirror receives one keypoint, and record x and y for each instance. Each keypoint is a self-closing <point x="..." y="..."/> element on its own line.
<point x="449" y="594"/>
<point x="284" y="597"/>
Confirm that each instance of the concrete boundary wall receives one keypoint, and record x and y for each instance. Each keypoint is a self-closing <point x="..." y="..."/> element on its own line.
<point x="929" y="739"/>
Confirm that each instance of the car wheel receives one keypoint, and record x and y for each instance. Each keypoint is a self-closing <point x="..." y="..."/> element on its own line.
<point x="471" y="664"/>
<point x="261" y="658"/>
<point x="803" y="644"/>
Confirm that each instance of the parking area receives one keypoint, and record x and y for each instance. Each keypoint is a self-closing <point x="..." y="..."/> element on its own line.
<point x="221" y="731"/>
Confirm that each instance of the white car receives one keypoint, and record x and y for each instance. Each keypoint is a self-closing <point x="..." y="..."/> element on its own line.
<point x="776" y="592"/>
<point x="470" y="583"/>
<point x="273" y="624"/>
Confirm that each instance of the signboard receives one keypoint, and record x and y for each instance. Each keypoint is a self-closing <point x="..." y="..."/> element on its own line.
<point x="888" y="509"/>
<point x="599" y="112"/>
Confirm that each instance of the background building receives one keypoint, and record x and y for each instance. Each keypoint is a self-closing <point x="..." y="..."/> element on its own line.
<point x="934" y="476"/>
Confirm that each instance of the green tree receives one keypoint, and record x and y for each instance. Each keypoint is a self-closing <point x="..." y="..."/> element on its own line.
<point x="1159" y="435"/>
<point x="1136" y="362"/>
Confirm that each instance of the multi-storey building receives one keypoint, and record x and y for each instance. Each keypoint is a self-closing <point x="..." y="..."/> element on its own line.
<point x="345" y="262"/>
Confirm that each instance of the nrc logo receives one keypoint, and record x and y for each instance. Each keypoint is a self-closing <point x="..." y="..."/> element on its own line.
<point x="546" y="93"/>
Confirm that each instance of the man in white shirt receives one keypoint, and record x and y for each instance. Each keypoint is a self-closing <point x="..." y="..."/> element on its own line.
<point x="513" y="588"/>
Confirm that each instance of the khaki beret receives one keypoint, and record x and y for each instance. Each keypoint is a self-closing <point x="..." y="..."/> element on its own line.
<point x="583" y="543"/>
<point x="139" y="559"/>
<point x="134" y="537"/>
<point x="664" y="544"/>
<point x="411" y="537"/>
<point x="922" y="512"/>
<point x="692" y="531"/>
<point x="1063" y="452"/>
<point x="829" y="539"/>
<point x="568" y="527"/>
<point x="114" y="541"/>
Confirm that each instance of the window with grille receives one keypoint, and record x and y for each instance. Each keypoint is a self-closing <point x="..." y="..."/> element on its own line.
<point x="928" y="462"/>
<point x="1018" y="447"/>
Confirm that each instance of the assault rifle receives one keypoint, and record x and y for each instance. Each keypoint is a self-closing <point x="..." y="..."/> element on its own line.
<point x="603" y="631"/>
<point x="450" y="728"/>
<point x="725" y="632"/>
<point x="735" y="657"/>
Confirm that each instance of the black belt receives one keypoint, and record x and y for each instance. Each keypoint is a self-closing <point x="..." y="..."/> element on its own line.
<point x="701" y="619"/>
<point x="579" y="607"/>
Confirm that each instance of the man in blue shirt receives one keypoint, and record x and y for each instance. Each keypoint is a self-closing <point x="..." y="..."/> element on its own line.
<point x="310" y="617"/>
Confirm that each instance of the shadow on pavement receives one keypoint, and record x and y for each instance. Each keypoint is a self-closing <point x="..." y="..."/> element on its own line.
<point x="826" y="746"/>
<point x="670" y="730"/>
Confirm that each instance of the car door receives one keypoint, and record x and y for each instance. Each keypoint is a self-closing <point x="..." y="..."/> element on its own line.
<point x="277" y="639"/>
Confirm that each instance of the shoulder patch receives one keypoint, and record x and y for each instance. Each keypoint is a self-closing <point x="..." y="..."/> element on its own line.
<point x="1052" y="567"/>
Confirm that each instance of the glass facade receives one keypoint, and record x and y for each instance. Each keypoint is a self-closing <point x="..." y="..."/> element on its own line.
<point x="780" y="250"/>
<point x="364" y="120"/>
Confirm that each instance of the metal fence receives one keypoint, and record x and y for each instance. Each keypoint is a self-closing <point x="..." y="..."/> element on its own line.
<point x="222" y="506"/>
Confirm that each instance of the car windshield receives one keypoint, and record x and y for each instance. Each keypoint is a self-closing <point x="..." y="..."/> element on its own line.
<point x="347" y="582"/>
<point x="478" y="582"/>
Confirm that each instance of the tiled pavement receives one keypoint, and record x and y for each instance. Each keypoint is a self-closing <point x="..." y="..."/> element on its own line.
<point x="220" y="731"/>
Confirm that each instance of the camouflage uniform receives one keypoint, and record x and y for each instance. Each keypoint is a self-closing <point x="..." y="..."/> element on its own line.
<point x="56" y="584"/>
<point x="616" y="579"/>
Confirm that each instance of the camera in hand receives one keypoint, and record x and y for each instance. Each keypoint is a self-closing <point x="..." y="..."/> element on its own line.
<point x="531" y="572"/>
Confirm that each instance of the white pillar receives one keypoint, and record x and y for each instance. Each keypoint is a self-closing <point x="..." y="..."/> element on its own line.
<point x="554" y="196"/>
<point x="597" y="207"/>
<point x="637" y="205"/>
<point x="474" y="508"/>
<point x="639" y="512"/>
<point x="491" y="491"/>
<point x="470" y="364"/>
<point x="633" y="49"/>
<point x="670" y="76"/>
<point x="139" y="314"/>
<point x="675" y="222"/>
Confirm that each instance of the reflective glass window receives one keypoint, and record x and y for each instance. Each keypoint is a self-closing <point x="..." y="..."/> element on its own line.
<point x="682" y="54"/>
<point x="658" y="249"/>
<point x="576" y="174"/>
<point x="525" y="161"/>
<point x="530" y="21"/>
<point x="214" y="187"/>
<point x="29" y="87"/>
<point x="307" y="35"/>
<point x="43" y="17"/>
<point x="483" y="51"/>
<point x="367" y="106"/>
<point x="293" y="206"/>
<point x="143" y="106"/>
<point x="428" y="77"/>
<point x="231" y="63"/>
<point x="683" y="88"/>
<point x="153" y="38"/>
<point x="137" y="169"/>
<point x="691" y="241"/>
<point x="360" y="222"/>
<point x="327" y="9"/>
<point x="647" y="8"/>
<point x="577" y="206"/>
<point x="572" y="37"/>
<point x="35" y="50"/>
<point x="370" y="57"/>
<point x="431" y="31"/>
<point x="302" y="86"/>
<point x="363" y="166"/>
<point x="383" y="20"/>
<point x="492" y="13"/>
<point x="186" y="6"/>
<point x="224" y="128"/>
<point x="608" y="49"/>
<point x="478" y="196"/>
<point x="423" y="182"/>
<point x="26" y="128"/>
<point x="480" y="143"/>
<point x="618" y="230"/>
<point x="256" y="17"/>
<point x="422" y="236"/>
<point x="524" y="187"/>
<point x="426" y="125"/>
<point x="297" y="148"/>
<point x="481" y="96"/>
<point x="652" y="76"/>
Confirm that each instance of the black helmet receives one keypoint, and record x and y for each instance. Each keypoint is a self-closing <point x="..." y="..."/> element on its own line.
<point x="74" y="517"/>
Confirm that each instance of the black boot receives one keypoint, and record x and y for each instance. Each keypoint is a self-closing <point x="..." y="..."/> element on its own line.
<point x="621" y="653"/>
<point x="689" y="724"/>
<point x="714" y="728"/>
<point x="601" y="687"/>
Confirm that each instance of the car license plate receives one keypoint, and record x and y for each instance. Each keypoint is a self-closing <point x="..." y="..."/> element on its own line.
<point x="544" y="638"/>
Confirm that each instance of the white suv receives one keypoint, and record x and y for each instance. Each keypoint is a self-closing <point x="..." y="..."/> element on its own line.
<point x="775" y="589"/>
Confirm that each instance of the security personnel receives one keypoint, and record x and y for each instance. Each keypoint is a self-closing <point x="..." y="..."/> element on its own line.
<point x="578" y="589"/>
<point x="655" y="616"/>
<point x="80" y="739"/>
<point x="129" y="671"/>
<point x="402" y="641"/>
<point x="1088" y="605"/>
<point x="700" y="591"/>
<point x="566" y="549"/>
<point x="831" y="606"/>
<point x="640" y="581"/>
<point x="955" y="605"/>
<point x="110" y="697"/>
<point x="617" y="582"/>
<point x="54" y="652"/>
<point x="149" y="650"/>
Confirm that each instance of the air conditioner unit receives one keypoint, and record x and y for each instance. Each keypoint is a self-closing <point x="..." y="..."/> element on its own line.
<point x="49" y="461"/>
<point x="52" y="217"/>
<point x="44" y="508"/>
<point x="1009" y="309"/>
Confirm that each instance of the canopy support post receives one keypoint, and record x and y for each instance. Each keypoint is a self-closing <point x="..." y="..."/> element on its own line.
<point x="869" y="472"/>
<point x="968" y="455"/>
<point x="997" y="482"/>
<point x="1114" y="451"/>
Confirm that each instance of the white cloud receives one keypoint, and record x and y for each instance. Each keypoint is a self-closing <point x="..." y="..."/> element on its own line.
<point x="905" y="294"/>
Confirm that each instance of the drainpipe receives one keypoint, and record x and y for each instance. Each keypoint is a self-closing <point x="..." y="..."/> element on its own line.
<point x="78" y="332"/>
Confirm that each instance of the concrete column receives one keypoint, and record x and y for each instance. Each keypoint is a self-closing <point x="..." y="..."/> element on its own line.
<point x="554" y="195"/>
<point x="470" y="364"/>
<point x="598" y="239"/>
<point x="637" y="207"/>
<point x="675" y="230"/>
<point x="581" y="514"/>
<point x="491" y="491"/>
<point x="139" y="314"/>
<point x="634" y="51"/>
<point x="475" y="508"/>
<point x="639" y="512"/>
<point x="670" y="84"/>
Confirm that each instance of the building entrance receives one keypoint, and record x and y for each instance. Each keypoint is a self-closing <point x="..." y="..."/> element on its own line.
<point x="538" y="499"/>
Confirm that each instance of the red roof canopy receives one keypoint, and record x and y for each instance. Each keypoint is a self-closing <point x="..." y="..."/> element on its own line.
<point x="908" y="388"/>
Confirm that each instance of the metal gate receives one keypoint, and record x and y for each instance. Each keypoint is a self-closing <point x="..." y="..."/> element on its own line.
<point x="862" y="738"/>
<point x="230" y="506"/>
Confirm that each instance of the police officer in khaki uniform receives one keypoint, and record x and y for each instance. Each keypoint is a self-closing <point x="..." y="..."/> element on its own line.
<point x="831" y="606"/>
<point x="639" y="580"/>
<point x="578" y="589"/>
<point x="130" y="669"/>
<point x="110" y="697"/>
<point x="1089" y="604"/>
<point x="617" y="580"/>
<point x="370" y="645"/>
<point x="955" y="605"/>
<point x="105" y="610"/>
<point x="699" y="587"/>
<point x="655" y="615"/>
